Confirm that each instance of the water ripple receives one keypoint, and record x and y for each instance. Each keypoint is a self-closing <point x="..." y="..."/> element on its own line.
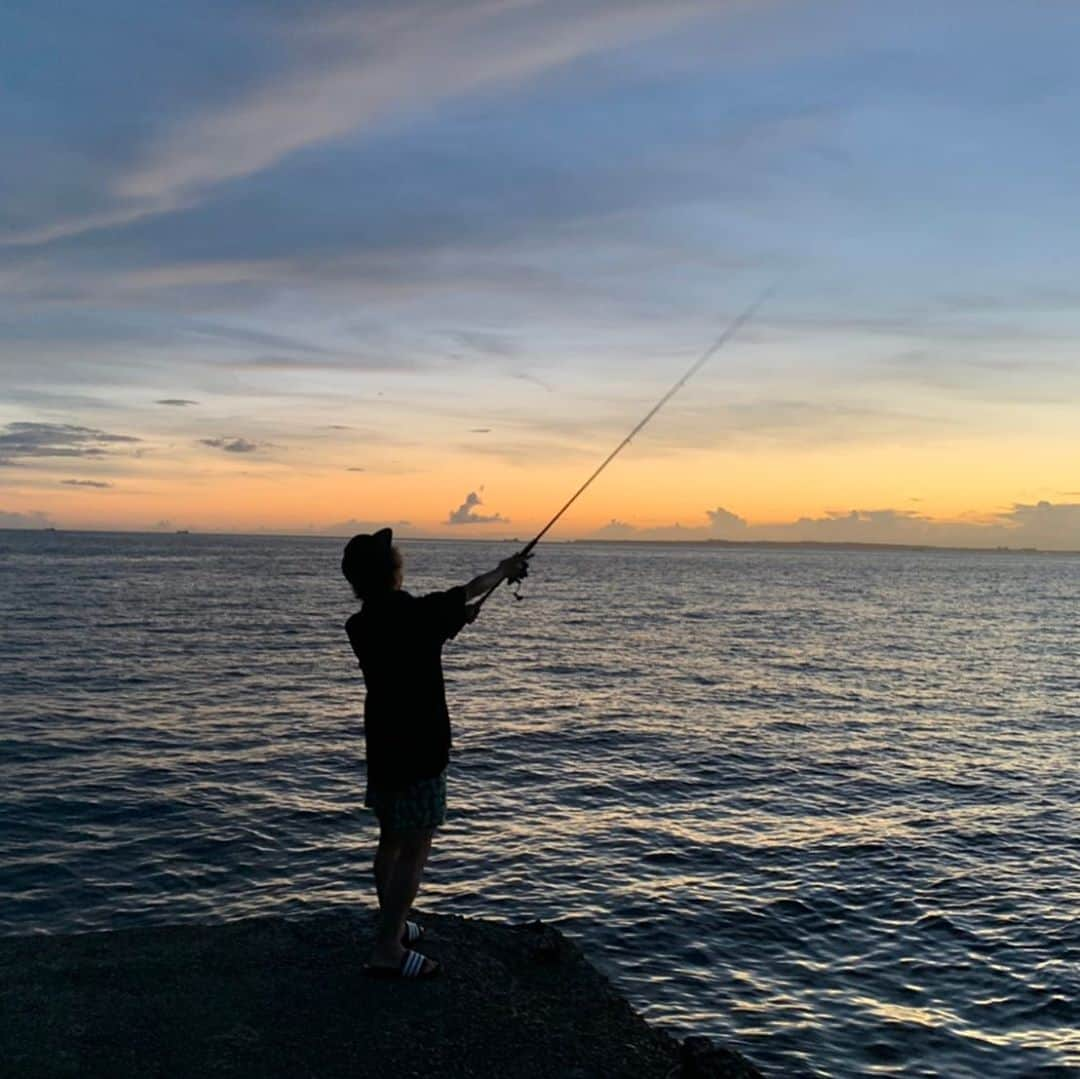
<point x="821" y="804"/>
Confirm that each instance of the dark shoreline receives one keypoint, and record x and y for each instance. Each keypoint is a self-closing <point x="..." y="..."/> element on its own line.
<point x="816" y="545"/>
<point x="287" y="997"/>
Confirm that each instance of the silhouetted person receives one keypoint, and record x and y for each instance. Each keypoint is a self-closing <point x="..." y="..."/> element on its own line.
<point x="398" y="640"/>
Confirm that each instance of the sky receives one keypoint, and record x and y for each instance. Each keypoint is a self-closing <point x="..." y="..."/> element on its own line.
<point x="325" y="266"/>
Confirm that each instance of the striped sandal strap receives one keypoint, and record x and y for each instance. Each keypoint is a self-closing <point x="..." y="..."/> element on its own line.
<point x="412" y="966"/>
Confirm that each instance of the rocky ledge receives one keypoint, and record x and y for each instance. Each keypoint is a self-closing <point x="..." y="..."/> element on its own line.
<point x="282" y="997"/>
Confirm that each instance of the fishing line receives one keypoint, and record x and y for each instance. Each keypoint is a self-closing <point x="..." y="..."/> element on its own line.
<point x="729" y="332"/>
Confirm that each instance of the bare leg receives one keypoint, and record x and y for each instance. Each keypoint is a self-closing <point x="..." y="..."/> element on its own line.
<point x="385" y="856"/>
<point x="398" y="890"/>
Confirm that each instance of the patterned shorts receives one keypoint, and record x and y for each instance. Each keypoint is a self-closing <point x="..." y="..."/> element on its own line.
<point x="419" y="805"/>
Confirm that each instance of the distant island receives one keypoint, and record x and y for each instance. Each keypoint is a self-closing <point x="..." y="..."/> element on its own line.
<point x="815" y="545"/>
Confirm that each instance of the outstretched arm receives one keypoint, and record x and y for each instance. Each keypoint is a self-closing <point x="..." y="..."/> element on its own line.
<point x="513" y="568"/>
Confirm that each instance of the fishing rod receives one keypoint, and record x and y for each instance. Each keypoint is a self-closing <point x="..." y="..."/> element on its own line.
<point x="729" y="332"/>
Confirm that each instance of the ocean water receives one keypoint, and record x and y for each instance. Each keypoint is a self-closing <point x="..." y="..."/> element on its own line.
<point x="819" y="804"/>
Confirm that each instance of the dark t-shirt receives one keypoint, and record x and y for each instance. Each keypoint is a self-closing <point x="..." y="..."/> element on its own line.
<point x="398" y="640"/>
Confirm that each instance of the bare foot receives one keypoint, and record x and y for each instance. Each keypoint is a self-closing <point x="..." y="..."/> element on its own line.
<point x="387" y="955"/>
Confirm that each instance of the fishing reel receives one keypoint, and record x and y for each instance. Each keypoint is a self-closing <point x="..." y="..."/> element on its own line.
<point x="515" y="581"/>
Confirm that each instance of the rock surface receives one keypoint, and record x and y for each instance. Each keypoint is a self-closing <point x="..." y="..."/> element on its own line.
<point x="280" y="997"/>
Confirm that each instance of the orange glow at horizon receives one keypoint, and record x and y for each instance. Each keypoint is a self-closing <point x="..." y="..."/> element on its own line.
<point x="767" y="486"/>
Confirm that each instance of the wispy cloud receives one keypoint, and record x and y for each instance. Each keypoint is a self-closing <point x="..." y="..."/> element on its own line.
<point x="245" y="335"/>
<point x="338" y="73"/>
<point x="359" y="67"/>
<point x="231" y="445"/>
<point x="176" y="402"/>
<point x="345" y="361"/>
<point x="85" y="483"/>
<point x="487" y="342"/>
<point x="29" y="439"/>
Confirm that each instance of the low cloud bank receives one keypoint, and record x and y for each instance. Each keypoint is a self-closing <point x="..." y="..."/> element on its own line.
<point x="352" y="527"/>
<point x="33" y="519"/>
<point x="1047" y="525"/>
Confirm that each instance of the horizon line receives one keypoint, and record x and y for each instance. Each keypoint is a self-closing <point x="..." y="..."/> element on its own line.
<point x="849" y="545"/>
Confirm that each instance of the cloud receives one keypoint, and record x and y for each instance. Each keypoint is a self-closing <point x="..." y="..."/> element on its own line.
<point x="361" y="66"/>
<point x="231" y="445"/>
<point x="464" y="514"/>
<point x="355" y="469"/>
<point x="344" y="362"/>
<point x="722" y="521"/>
<point x="85" y="483"/>
<point x="178" y="402"/>
<point x="788" y="422"/>
<point x="480" y="430"/>
<point x="616" y="529"/>
<point x="1042" y="525"/>
<point x="292" y="85"/>
<point x="859" y="526"/>
<point x="677" y="533"/>
<point x="55" y="401"/>
<point x="966" y="372"/>
<point x="1045" y="524"/>
<point x="352" y="526"/>
<point x="722" y="524"/>
<point x="266" y="230"/>
<point x="20" y="440"/>
<point x="217" y="331"/>
<point x="34" y="519"/>
<point x="488" y="343"/>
